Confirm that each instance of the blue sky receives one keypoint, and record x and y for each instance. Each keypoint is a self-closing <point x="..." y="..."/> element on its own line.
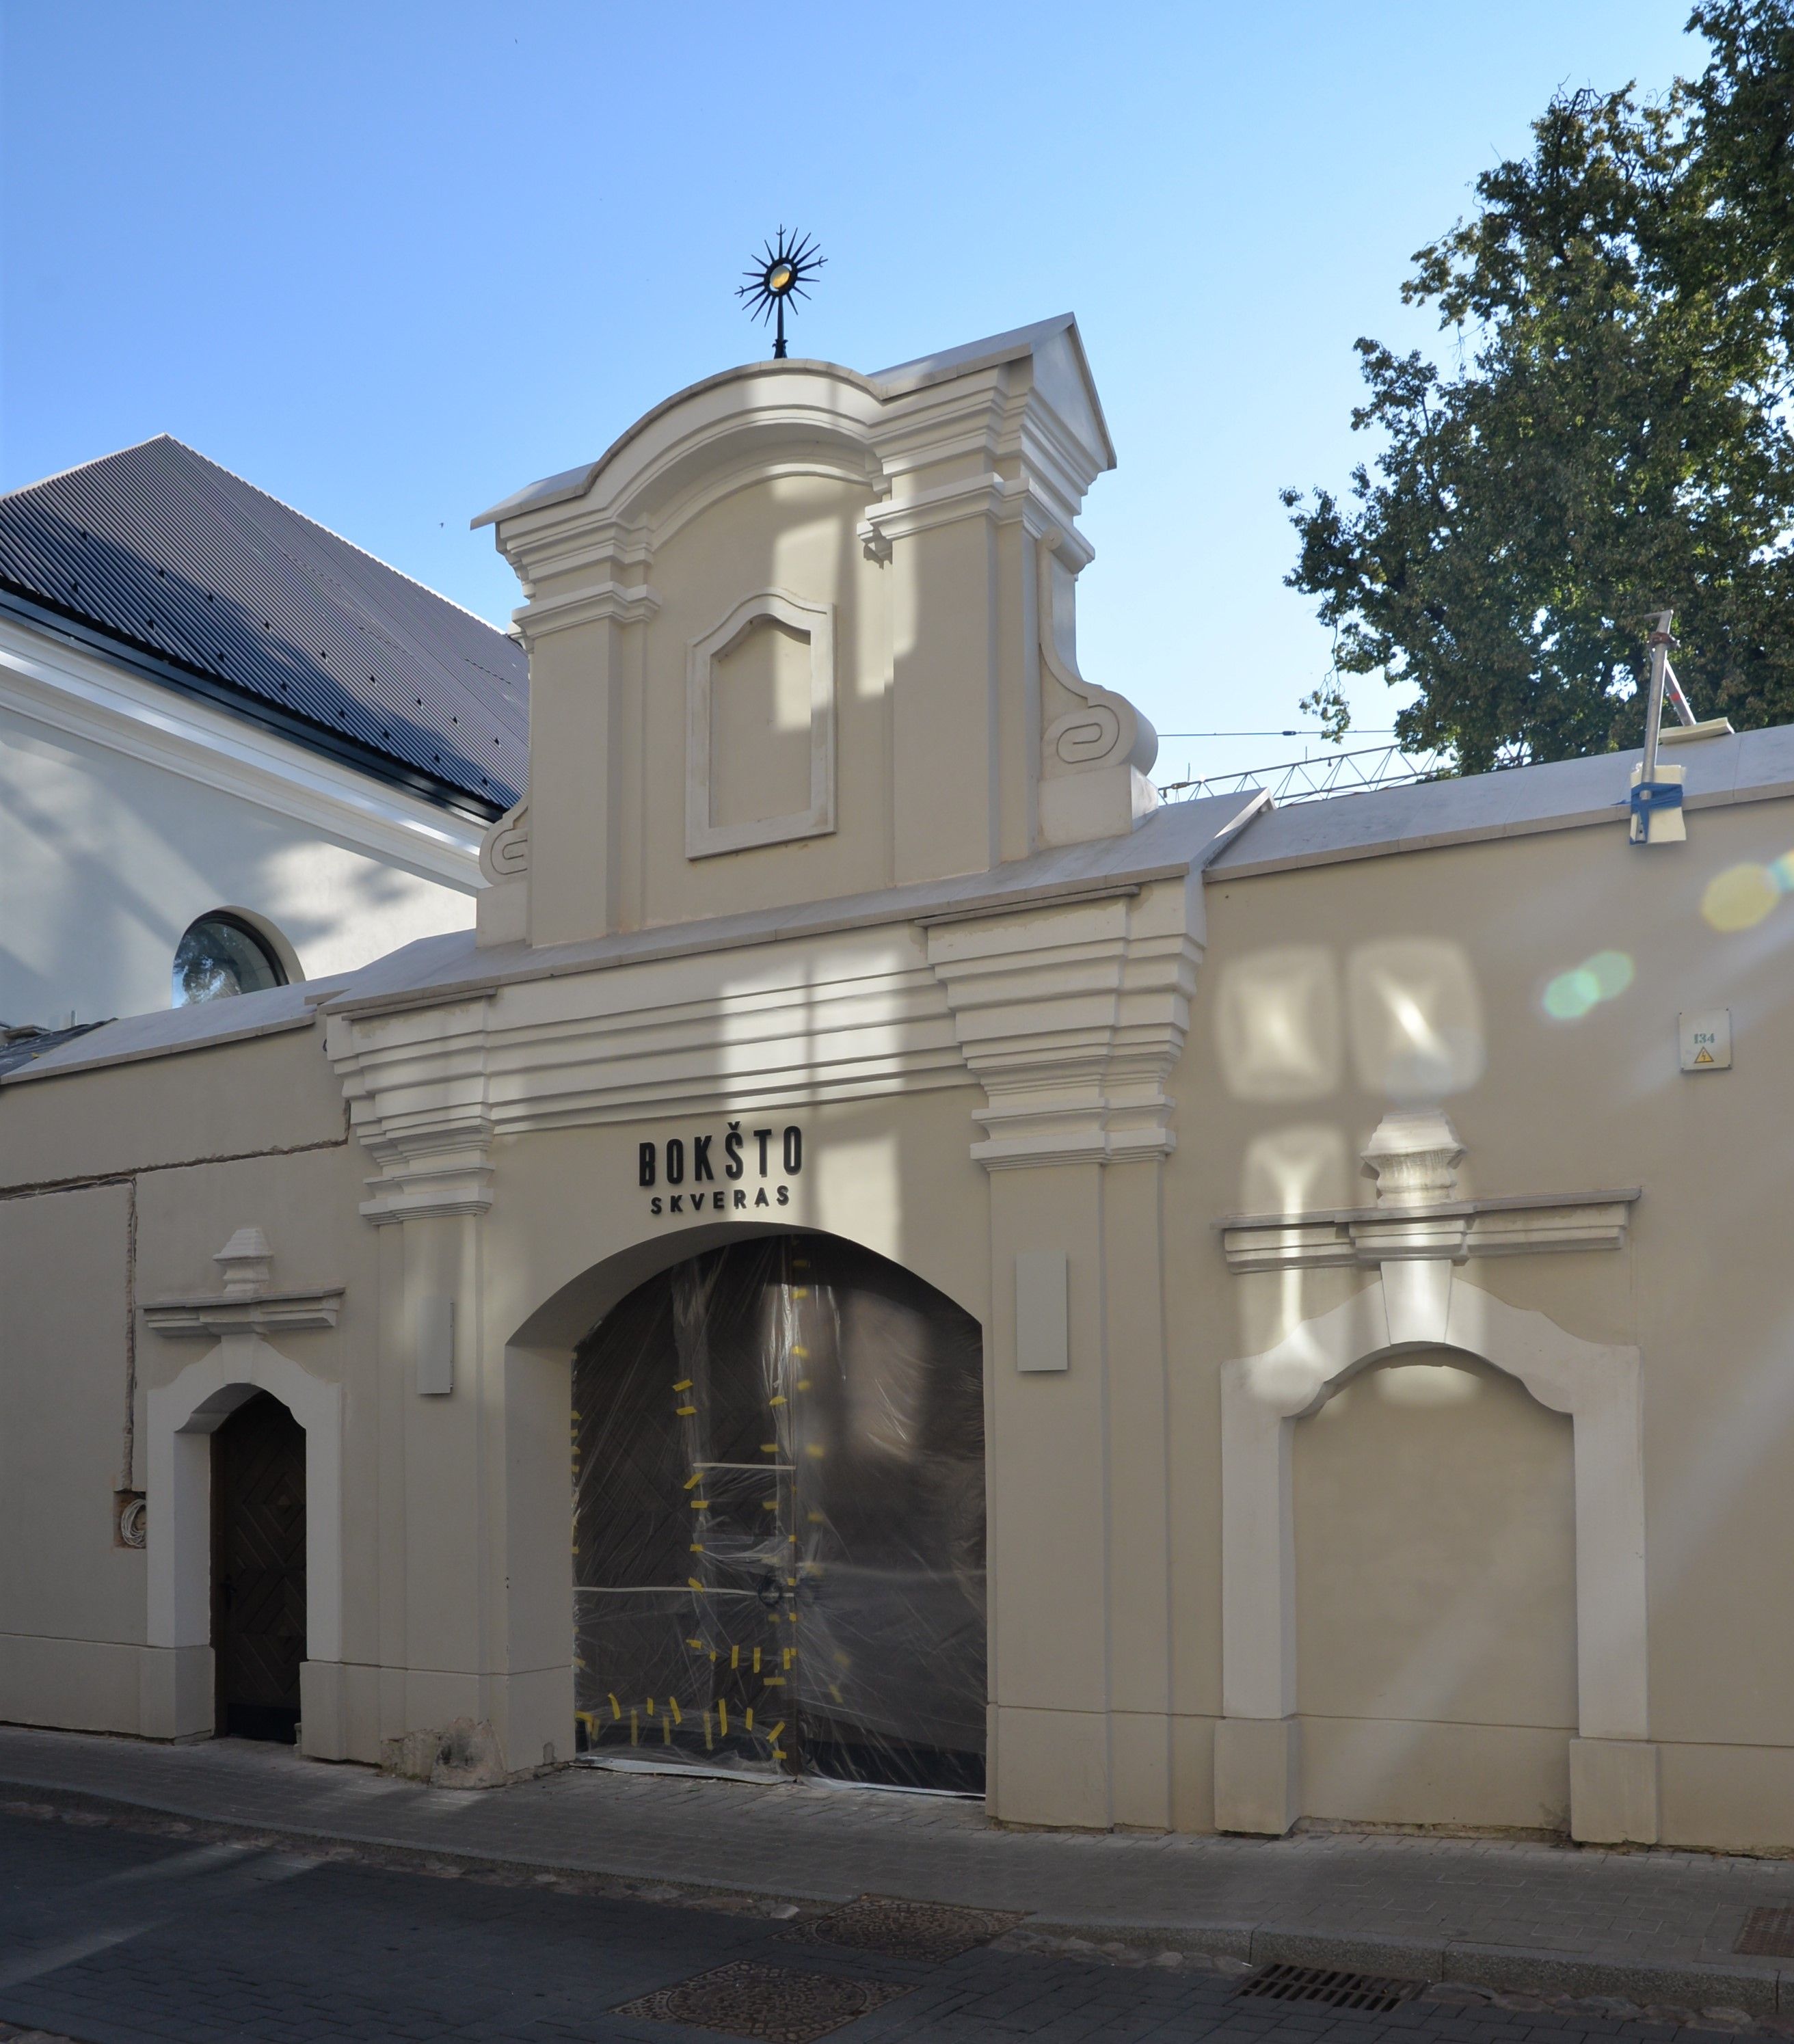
<point x="390" y="260"/>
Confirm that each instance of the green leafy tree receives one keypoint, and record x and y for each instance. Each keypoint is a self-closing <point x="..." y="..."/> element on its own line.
<point x="1616" y="440"/>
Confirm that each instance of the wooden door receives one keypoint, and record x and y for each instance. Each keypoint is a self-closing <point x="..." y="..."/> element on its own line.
<point x="258" y="1569"/>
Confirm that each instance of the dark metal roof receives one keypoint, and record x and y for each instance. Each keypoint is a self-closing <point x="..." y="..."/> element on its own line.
<point x="19" y="1047"/>
<point x="166" y="554"/>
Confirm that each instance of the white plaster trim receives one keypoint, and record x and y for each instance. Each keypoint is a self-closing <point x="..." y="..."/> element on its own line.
<point x="81" y="696"/>
<point x="1426" y="1305"/>
<point x="856" y="1016"/>
<point x="272" y="1313"/>
<point x="627" y="603"/>
<point x="181" y="1416"/>
<point x="1072" y="1018"/>
<point x="1525" y="1224"/>
<point x="815" y="621"/>
<point x="504" y="853"/>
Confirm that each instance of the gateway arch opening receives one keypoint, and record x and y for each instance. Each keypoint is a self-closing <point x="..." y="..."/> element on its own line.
<point x="779" y="1520"/>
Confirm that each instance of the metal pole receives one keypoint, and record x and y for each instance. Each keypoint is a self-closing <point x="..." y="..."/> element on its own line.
<point x="1659" y="644"/>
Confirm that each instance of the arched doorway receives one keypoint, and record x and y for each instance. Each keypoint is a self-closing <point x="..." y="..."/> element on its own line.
<point x="778" y="1522"/>
<point x="258" y="1569"/>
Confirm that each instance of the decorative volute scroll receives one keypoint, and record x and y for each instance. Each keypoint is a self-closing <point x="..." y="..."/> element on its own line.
<point x="504" y="849"/>
<point x="501" y="913"/>
<point x="1096" y="756"/>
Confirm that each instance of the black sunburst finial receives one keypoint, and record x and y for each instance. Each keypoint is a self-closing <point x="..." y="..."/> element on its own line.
<point x="784" y="267"/>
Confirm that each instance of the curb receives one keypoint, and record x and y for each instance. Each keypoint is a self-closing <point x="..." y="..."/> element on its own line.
<point x="1724" y="1992"/>
<point x="1498" y="1969"/>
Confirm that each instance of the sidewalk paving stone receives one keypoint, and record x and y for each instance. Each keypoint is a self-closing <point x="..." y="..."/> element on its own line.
<point x="1648" y="1927"/>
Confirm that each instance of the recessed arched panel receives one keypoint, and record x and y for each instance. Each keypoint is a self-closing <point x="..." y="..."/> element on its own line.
<point x="760" y="727"/>
<point x="1435" y="1503"/>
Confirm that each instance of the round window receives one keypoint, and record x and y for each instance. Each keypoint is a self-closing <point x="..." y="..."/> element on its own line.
<point x="219" y="956"/>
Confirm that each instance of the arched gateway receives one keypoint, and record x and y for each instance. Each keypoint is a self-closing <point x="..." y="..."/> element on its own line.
<point x="779" y="1520"/>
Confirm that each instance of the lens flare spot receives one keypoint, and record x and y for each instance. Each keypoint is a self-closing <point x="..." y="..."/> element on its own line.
<point x="1613" y="973"/>
<point x="1741" y="897"/>
<point x="1604" y="976"/>
<point x="1571" y="995"/>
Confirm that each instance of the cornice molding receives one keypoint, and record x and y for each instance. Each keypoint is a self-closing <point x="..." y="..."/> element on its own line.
<point x="1069" y="1013"/>
<point x="1071" y="1020"/>
<point x="1414" y="1155"/>
<point x="85" y="697"/>
<point x="623" y="603"/>
<point x="846" y="1017"/>
<point x="1523" y="1224"/>
<point x="246" y="1306"/>
<point x="274" y="1313"/>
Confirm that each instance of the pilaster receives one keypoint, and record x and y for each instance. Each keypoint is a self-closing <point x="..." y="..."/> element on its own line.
<point x="1072" y="1018"/>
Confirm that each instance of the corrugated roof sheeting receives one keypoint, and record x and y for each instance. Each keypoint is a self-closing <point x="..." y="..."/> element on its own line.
<point x="157" y="546"/>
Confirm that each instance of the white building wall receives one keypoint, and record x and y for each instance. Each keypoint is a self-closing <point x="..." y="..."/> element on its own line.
<point x="127" y="809"/>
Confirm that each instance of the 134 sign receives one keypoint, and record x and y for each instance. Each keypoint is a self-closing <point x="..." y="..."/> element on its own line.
<point x="733" y="1173"/>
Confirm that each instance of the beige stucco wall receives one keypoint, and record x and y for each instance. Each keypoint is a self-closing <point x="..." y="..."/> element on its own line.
<point x="1542" y="1105"/>
<point x="1434" y="1541"/>
<point x="1501" y="1606"/>
<point x="1435" y="1599"/>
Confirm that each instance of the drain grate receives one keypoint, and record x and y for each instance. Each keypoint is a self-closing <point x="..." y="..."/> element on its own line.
<point x="776" y="2004"/>
<point x="902" y="1930"/>
<point x="1768" y="1933"/>
<point x="1369" y="1992"/>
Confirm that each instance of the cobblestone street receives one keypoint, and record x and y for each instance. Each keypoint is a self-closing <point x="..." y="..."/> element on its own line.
<point x="110" y="1936"/>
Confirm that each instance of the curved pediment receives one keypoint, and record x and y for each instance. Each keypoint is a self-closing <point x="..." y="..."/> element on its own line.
<point x="802" y="633"/>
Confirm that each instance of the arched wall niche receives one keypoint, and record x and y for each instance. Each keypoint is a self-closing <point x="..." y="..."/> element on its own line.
<point x="1410" y="1308"/>
<point x="1435" y="1527"/>
<point x="182" y="1415"/>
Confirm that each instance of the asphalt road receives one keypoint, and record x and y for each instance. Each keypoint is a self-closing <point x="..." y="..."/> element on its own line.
<point x="110" y="1936"/>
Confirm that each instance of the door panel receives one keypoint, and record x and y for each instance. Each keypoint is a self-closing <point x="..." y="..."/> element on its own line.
<point x="258" y="1569"/>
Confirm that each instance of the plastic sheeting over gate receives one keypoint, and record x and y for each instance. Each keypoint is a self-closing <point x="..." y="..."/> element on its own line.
<point x="779" y="1520"/>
